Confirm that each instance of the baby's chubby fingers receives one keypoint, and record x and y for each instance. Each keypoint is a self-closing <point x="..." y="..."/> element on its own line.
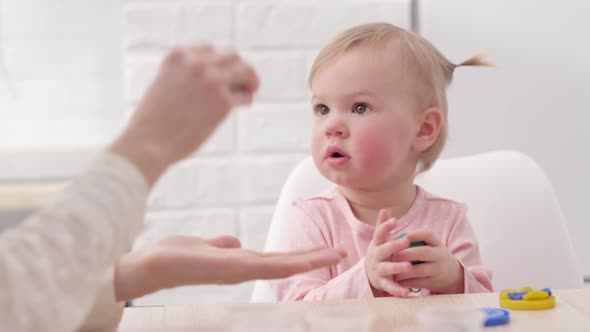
<point x="388" y="285"/>
<point x="416" y="271"/>
<point x="389" y="248"/>
<point x="424" y="254"/>
<point x="388" y="269"/>
<point x="425" y="235"/>
<point x="385" y="224"/>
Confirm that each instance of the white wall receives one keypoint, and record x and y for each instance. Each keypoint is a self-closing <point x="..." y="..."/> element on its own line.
<point x="60" y="73"/>
<point x="536" y="100"/>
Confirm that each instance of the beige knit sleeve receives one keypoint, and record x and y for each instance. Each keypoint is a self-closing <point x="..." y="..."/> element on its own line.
<point x="52" y="265"/>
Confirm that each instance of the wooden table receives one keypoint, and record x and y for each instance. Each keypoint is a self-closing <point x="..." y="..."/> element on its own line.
<point x="572" y="313"/>
<point x="28" y="196"/>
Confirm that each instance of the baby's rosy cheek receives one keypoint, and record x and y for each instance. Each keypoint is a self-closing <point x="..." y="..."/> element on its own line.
<point x="374" y="151"/>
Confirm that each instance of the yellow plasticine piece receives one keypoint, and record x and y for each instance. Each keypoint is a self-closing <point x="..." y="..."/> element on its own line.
<point x="535" y="295"/>
<point x="527" y="289"/>
<point x="546" y="303"/>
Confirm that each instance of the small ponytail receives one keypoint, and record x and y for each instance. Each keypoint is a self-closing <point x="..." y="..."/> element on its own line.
<point x="476" y="60"/>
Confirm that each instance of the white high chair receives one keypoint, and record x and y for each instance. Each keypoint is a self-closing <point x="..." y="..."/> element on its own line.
<point x="512" y="208"/>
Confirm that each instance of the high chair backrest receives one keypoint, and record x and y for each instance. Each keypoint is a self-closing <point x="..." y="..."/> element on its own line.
<point x="512" y="208"/>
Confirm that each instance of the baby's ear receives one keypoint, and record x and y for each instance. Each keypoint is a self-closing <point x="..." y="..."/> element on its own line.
<point x="430" y="123"/>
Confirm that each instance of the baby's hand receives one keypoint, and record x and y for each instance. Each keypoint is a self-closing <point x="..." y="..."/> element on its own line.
<point x="378" y="265"/>
<point x="440" y="271"/>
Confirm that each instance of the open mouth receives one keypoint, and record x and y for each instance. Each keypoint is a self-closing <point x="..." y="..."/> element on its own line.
<point x="337" y="155"/>
<point x="334" y="152"/>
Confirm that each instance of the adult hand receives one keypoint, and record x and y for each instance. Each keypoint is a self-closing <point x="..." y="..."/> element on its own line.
<point x="181" y="260"/>
<point x="194" y="90"/>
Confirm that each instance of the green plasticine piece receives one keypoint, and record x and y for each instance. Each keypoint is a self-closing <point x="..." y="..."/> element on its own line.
<point x="413" y="244"/>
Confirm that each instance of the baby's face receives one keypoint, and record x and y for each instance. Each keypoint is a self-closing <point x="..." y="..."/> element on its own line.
<point x="363" y="122"/>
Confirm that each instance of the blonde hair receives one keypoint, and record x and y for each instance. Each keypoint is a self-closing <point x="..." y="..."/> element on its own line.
<point x="433" y="71"/>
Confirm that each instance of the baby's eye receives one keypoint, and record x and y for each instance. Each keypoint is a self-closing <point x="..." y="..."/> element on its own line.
<point x="360" y="108"/>
<point x="322" y="109"/>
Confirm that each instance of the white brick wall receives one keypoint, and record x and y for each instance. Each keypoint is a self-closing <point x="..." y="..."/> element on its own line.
<point x="231" y="185"/>
<point x="60" y="77"/>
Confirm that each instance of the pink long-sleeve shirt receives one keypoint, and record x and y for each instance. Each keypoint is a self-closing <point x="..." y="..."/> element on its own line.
<point x="327" y="220"/>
